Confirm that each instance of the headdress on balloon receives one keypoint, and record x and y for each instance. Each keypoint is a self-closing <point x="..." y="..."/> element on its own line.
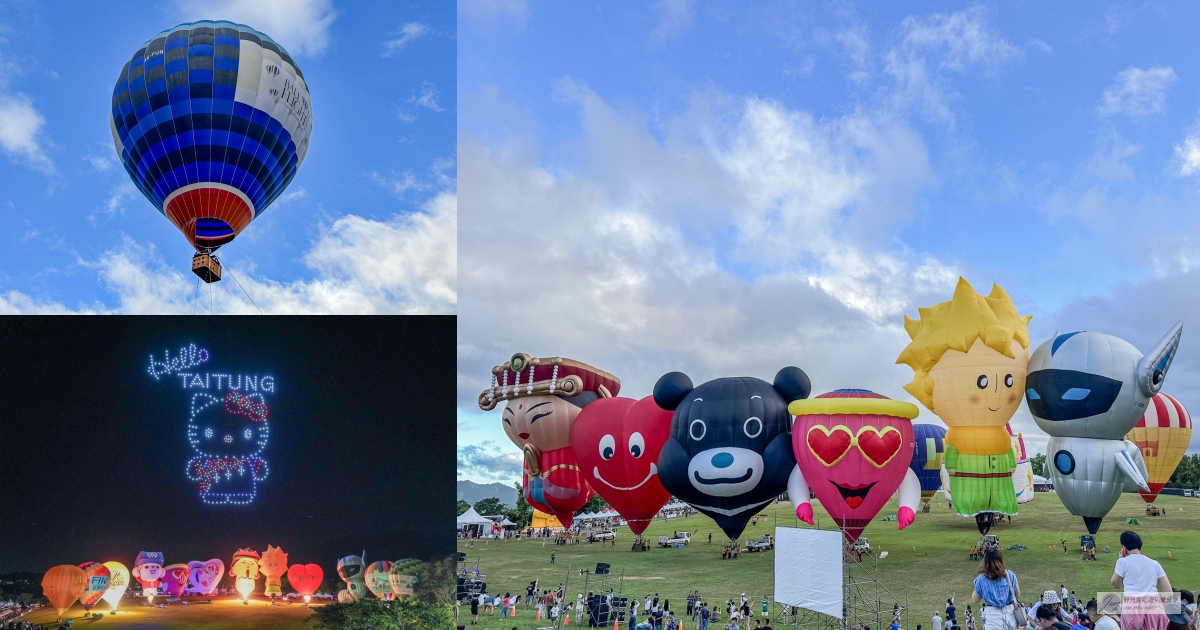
<point x="149" y="557"/>
<point x="523" y="375"/>
<point x="955" y="325"/>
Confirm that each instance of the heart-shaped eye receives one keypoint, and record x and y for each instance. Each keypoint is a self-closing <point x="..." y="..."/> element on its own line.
<point x="829" y="445"/>
<point x="879" y="446"/>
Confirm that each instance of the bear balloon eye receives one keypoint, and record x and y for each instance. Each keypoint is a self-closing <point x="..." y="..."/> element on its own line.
<point x="982" y="382"/>
<point x="752" y="427"/>
<point x="637" y="444"/>
<point x="1008" y="380"/>
<point x="697" y="429"/>
<point x="608" y="447"/>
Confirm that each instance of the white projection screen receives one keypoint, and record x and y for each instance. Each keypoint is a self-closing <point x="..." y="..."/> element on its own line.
<point x="808" y="569"/>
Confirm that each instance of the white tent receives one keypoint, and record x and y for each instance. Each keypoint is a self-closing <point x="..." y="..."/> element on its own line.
<point x="471" y="517"/>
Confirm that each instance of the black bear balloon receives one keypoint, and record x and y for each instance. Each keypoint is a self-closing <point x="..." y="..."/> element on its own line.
<point x="730" y="448"/>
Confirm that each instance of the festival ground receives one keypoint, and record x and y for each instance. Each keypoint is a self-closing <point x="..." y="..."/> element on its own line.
<point x="938" y="568"/>
<point x="225" y="612"/>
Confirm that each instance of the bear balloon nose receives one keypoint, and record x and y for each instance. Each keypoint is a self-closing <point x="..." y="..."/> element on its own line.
<point x="722" y="460"/>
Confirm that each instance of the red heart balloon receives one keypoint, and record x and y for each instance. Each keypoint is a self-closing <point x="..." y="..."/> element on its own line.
<point x="616" y="442"/>
<point x="879" y="445"/>
<point x="829" y="445"/>
<point x="305" y="578"/>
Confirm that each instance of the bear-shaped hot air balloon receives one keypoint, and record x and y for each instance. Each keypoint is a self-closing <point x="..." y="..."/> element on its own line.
<point x="117" y="583"/>
<point x="730" y="450"/>
<point x="969" y="357"/>
<point x="176" y="579"/>
<point x="1087" y="390"/>
<point x="1023" y="473"/>
<point x="544" y="397"/>
<point x="617" y="442"/>
<point x="244" y="568"/>
<point x="928" y="455"/>
<point x="203" y="577"/>
<point x="63" y="585"/>
<point x="376" y="579"/>
<point x="853" y="448"/>
<point x="350" y="569"/>
<point x="403" y="577"/>
<point x="229" y="435"/>
<point x="274" y="566"/>
<point x="97" y="576"/>
<point x="148" y="569"/>
<point x="305" y="578"/>
<point x="1163" y="435"/>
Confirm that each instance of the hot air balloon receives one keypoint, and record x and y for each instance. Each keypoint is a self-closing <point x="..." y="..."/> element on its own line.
<point x="1087" y="390"/>
<point x="544" y="396"/>
<point x="403" y="576"/>
<point x="148" y="569"/>
<point x="97" y="576"/>
<point x="1162" y="435"/>
<point x="928" y="455"/>
<point x="853" y="448"/>
<point x="176" y="579"/>
<point x="969" y="356"/>
<point x="203" y="577"/>
<point x="305" y="578"/>
<point x="63" y="585"/>
<point x="350" y="569"/>
<point x="245" y="569"/>
<point x="118" y="581"/>
<point x="730" y="450"/>
<point x="1023" y="473"/>
<point x="273" y="566"/>
<point x="211" y="120"/>
<point x="377" y="579"/>
<point x="617" y="442"/>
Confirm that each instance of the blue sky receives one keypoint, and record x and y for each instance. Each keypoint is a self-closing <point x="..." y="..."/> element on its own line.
<point x="725" y="189"/>
<point x="367" y="225"/>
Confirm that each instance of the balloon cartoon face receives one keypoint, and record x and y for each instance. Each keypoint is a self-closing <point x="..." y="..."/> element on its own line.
<point x="980" y="387"/>
<point x="730" y="450"/>
<point x="617" y="443"/>
<point x="97" y="576"/>
<point x="543" y="421"/>
<point x="305" y="578"/>
<point x="377" y="579"/>
<point x="854" y="447"/>
<point x="229" y="435"/>
<point x="203" y="577"/>
<point x="245" y="564"/>
<point x="176" y="579"/>
<point x="149" y="570"/>
<point x="273" y="565"/>
<point x="1087" y="384"/>
<point x="350" y="569"/>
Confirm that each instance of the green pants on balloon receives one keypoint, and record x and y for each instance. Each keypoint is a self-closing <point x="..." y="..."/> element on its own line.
<point x="981" y="483"/>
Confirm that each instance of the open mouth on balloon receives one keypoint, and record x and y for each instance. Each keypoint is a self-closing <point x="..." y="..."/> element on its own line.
<point x="709" y="482"/>
<point x="653" y="471"/>
<point x="854" y="495"/>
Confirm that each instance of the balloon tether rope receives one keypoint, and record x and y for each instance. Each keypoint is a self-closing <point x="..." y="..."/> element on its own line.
<point x="244" y="291"/>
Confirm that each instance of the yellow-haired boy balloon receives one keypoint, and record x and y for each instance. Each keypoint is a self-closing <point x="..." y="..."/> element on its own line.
<point x="969" y="358"/>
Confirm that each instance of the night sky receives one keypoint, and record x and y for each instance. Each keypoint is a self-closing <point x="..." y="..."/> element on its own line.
<point x="94" y="450"/>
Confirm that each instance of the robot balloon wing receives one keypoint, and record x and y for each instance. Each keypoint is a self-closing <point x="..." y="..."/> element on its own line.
<point x="1152" y="368"/>
<point x="1127" y="466"/>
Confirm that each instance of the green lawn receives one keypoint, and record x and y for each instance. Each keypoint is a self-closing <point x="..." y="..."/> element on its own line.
<point x="225" y="613"/>
<point x="926" y="563"/>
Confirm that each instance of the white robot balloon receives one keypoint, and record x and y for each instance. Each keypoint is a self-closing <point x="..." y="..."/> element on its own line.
<point x="1087" y="390"/>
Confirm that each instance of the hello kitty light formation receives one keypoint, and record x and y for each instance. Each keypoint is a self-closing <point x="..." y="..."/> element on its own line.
<point x="227" y="428"/>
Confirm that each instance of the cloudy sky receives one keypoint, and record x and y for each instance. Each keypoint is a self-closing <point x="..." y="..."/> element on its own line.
<point x="726" y="189"/>
<point x="367" y="226"/>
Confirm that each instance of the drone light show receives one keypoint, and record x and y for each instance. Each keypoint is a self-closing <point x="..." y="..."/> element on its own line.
<point x="227" y="426"/>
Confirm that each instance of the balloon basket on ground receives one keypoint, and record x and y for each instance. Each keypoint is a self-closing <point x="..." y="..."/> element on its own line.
<point x="207" y="267"/>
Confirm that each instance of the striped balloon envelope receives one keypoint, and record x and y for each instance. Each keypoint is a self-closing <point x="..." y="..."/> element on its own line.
<point x="211" y="121"/>
<point x="1162" y="435"/>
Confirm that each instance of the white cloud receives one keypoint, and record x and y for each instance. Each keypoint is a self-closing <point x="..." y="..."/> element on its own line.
<point x="398" y="186"/>
<point x="494" y="16"/>
<point x="21" y="133"/>
<point x="300" y="26"/>
<point x="426" y="97"/>
<point x="407" y="33"/>
<point x="1189" y="155"/>
<point x="1137" y="92"/>
<point x="673" y="17"/>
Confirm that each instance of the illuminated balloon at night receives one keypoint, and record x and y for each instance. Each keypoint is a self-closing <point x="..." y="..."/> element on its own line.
<point x="853" y="449"/>
<point x="403" y="576"/>
<point x="617" y="442"/>
<point x="245" y="569"/>
<point x="228" y="434"/>
<point x="928" y="455"/>
<point x="377" y="579"/>
<point x="305" y="578"/>
<point x="62" y="585"/>
<point x="1163" y="435"/>
<point x="148" y="569"/>
<point x="176" y="579"/>
<point x="350" y="569"/>
<point x="97" y="576"/>
<point x="203" y="577"/>
<point x="118" y="581"/>
<point x="274" y="566"/>
<point x="544" y="396"/>
<point x="211" y="120"/>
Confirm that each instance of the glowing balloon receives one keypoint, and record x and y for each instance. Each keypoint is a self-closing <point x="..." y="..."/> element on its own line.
<point x="203" y="577"/>
<point x="928" y="455"/>
<point x="245" y="569"/>
<point x="403" y="576"/>
<point x="62" y="585"/>
<point x="1162" y="435"/>
<point x="176" y="579"/>
<point x="148" y="569"/>
<point x="969" y="356"/>
<point x="97" y="576"/>
<point x="853" y="448"/>
<point x="350" y="569"/>
<point x="305" y="578"/>
<point x="617" y="442"/>
<point x="1023" y="473"/>
<point x="274" y="566"/>
<point x="377" y="579"/>
<point x="117" y="583"/>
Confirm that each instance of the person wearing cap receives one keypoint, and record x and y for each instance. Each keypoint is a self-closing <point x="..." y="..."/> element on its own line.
<point x="1142" y="577"/>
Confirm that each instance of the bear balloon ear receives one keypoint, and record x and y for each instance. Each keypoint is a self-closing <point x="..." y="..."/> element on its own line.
<point x="792" y="383"/>
<point x="1152" y="368"/>
<point x="671" y="389"/>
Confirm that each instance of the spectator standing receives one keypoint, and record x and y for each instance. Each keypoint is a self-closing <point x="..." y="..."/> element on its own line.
<point x="1141" y="576"/>
<point x="951" y="611"/>
<point x="937" y="620"/>
<point x="704" y="616"/>
<point x="998" y="589"/>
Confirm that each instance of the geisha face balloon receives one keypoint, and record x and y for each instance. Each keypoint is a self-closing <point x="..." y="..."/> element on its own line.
<point x="543" y="421"/>
<point x="617" y="442"/>
<point x="204" y="576"/>
<point x="853" y="447"/>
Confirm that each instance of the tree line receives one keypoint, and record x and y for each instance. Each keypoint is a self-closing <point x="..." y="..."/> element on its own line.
<point x="1186" y="475"/>
<point x="522" y="514"/>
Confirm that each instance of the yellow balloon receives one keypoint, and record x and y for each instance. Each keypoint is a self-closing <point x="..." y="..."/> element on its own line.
<point x="1162" y="435"/>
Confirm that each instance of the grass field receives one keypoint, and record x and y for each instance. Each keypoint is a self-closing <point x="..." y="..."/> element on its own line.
<point x="927" y="562"/>
<point x="225" y="613"/>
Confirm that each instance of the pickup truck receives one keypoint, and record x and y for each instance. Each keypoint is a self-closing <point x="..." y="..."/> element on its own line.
<point x="678" y="540"/>
<point x="765" y="543"/>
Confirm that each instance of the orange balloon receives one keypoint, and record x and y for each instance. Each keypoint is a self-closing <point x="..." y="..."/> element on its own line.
<point x="1162" y="435"/>
<point x="62" y="585"/>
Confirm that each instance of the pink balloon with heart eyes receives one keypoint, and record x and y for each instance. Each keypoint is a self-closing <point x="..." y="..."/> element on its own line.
<point x="203" y="577"/>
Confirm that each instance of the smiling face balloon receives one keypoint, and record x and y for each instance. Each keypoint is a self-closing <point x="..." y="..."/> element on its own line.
<point x="274" y="566"/>
<point x="148" y="569"/>
<point x="203" y="577"/>
<point x="176" y="579"/>
<point x="118" y="581"/>
<point x="617" y="442"/>
<point x="97" y="576"/>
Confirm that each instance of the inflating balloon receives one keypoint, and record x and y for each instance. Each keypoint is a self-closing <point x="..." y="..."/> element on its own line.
<point x="1163" y="435"/>
<point x="350" y="569"/>
<point x="62" y="585"/>
<point x="98" y="577"/>
<point x="274" y="566"/>
<point x="176" y="579"/>
<point x="305" y="578"/>
<point x="1087" y="390"/>
<point x="730" y="450"/>
<point x="203" y="577"/>
<point x="544" y="396"/>
<point x="617" y="442"/>
<point x="928" y="455"/>
<point x="245" y="568"/>
<point x="969" y="356"/>
<point x="403" y="577"/>
<point x="211" y="120"/>
<point x="1023" y="473"/>
<point x="377" y="579"/>
<point x="148" y="569"/>
<point x="853" y="448"/>
<point x="117" y="583"/>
